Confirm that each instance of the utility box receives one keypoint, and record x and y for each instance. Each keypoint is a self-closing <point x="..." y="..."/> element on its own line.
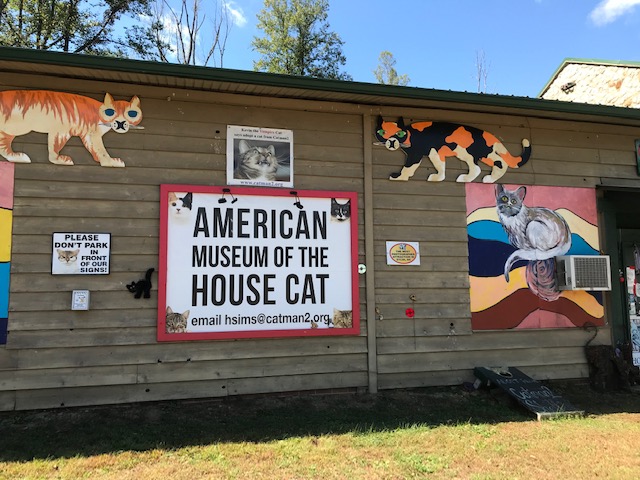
<point x="583" y="272"/>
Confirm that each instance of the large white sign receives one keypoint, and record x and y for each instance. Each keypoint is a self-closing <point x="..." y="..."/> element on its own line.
<point x="246" y="262"/>
<point x="80" y="253"/>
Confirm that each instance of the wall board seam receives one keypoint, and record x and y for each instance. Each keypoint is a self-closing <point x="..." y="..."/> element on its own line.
<point x="372" y="353"/>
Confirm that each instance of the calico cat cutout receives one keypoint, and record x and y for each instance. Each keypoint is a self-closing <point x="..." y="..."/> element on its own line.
<point x="176" y="322"/>
<point x="439" y="140"/>
<point x="538" y="234"/>
<point x="61" y="116"/>
<point x="142" y="286"/>
<point x="342" y="318"/>
<point x="340" y="212"/>
<point x="256" y="163"/>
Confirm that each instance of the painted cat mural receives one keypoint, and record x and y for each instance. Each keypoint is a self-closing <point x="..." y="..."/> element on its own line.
<point x="515" y="232"/>
<point x="61" y="116"/>
<point x="439" y="140"/>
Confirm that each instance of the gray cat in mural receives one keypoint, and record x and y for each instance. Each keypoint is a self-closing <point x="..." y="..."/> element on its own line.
<point x="537" y="232"/>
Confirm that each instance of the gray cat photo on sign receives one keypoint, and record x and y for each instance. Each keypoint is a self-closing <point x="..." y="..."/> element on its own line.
<point x="259" y="156"/>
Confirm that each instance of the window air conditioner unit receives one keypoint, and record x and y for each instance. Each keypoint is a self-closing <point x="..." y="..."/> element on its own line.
<point x="583" y="272"/>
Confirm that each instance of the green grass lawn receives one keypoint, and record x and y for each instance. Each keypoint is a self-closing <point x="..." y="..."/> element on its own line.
<point x="425" y="433"/>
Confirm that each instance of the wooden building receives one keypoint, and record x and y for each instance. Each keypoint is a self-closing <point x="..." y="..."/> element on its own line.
<point x="462" y="298"/>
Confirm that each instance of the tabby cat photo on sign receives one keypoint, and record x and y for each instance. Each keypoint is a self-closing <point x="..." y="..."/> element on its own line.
<point x="259" y="156"/>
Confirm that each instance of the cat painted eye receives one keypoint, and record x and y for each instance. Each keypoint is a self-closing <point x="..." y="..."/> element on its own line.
<point x="109" y="111"/>
<point x="401" y="134"/>
<point x="381" y="132"/>
<point x="132" y="113"/>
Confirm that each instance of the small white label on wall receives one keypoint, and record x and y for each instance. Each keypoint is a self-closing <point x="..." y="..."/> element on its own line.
<point x="80" y="300"/>
<point x="403" y="253"/>
<point x="631" y="279"/>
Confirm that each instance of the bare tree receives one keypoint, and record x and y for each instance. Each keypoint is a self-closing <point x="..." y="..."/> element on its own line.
<point x="194" y="33"/>
<point x="482" y="71"/>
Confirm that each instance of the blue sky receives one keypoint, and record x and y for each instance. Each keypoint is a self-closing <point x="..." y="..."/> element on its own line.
<point x="437" y="42"/>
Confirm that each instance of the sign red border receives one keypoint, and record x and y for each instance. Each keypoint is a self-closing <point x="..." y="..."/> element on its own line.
<point x="266" y="192"/>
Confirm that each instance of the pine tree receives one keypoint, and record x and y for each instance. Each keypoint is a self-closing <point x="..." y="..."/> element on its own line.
<point x="297" y="40"/>
<point x="386" y="72"/>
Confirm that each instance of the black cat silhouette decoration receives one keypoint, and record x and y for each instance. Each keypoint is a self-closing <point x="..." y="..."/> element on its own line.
<point x="143" y="286"/>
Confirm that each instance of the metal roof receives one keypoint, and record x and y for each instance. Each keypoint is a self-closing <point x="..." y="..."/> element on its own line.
<point x="64" y="65"/>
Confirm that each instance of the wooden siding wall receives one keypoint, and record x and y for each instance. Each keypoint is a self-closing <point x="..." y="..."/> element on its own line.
<point x="437" y="346"/>
<point x="55" y="357"/>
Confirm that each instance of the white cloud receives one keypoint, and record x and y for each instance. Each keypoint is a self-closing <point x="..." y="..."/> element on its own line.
<point x="236" y="13"/>
<point x="170" y="35"/>
<point x="608" y="11"/>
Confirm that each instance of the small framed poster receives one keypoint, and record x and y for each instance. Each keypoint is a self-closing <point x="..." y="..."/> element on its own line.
<point x="80" y="299"/>
<point x="80" y="253"/>
<point x="260" y="157"/>
<point x="256" y="262"/>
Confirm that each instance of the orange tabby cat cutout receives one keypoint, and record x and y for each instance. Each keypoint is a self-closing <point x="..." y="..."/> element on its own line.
<point x="61" y="116"/>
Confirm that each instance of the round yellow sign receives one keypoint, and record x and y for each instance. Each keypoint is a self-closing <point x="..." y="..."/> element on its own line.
<point x="403" y="253"/>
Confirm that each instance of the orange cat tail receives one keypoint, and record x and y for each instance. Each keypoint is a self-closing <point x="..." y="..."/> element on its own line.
<point x="515" y="162"/>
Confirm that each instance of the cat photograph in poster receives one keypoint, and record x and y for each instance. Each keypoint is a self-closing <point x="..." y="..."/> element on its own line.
<point x="259" y="156"/>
